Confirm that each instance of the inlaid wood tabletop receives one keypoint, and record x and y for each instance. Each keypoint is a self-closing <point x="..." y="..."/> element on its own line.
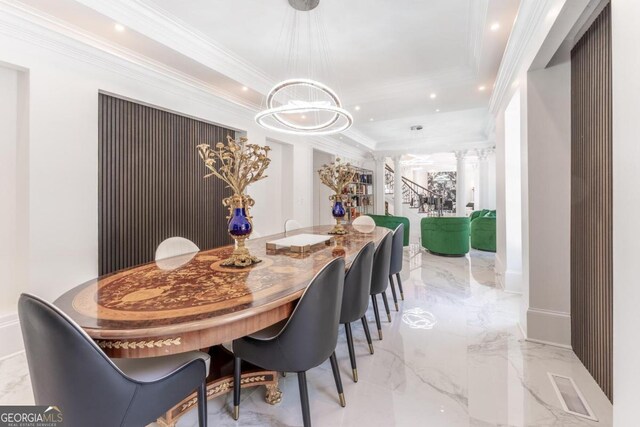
<point x="191" y="301"/>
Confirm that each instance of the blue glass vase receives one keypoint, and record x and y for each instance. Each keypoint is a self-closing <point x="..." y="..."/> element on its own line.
<point x="338" y="213"/>
<point x="239" y="224"/>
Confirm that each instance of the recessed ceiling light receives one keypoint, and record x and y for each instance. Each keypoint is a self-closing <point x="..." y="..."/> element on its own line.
<point x="432" y="96"/>
<point x="481" y="88"/>
<point x="119" y="28"/>
<point x="437" y="110"/>
<point x="340" y="137"/>
<point x="371" y="119"/>
<point x="244" y="88"/>
<point x="357" y="108"/>
<point x="303" y="116"/>
<point x="495" y="26"/>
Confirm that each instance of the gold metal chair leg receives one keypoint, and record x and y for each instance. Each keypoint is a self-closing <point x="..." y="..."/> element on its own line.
<point x="343" y="402"/>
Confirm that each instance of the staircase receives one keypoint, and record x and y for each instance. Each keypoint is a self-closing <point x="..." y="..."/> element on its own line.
<point x="414" y="195"/>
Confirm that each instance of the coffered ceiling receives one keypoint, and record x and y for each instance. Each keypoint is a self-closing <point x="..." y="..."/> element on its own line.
<point x="387" y="58"/>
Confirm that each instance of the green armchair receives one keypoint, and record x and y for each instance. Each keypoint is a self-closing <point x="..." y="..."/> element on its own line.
<point x="483" y="233"/>
<point x="391" y="222"/>
<point x="445" y="235"/>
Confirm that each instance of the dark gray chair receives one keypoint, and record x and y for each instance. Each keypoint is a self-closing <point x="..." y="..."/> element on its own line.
<point x="70" y="371"/>
<point x="303" y="341"/>
<point x="396" y="262"/>
<point x="380" y="278"/>
<point x="355" y="299"/>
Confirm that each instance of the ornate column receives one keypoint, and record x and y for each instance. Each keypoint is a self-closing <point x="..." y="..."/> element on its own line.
<point x="397" y="186"/>
<point x="378" y="191"/>
<point x="461" y="191"/>
<point x="483" y="175"/>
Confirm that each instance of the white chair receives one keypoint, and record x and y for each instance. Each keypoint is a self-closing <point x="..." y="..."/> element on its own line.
<point x="174" y="252"/>
<point x="364" y="224"/>
<point x="291" y="224"/>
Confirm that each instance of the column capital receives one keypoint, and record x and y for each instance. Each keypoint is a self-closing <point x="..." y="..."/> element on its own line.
<point x="460" y="154"/>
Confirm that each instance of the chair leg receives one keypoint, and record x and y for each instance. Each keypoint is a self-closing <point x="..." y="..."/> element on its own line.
<point x="377" y="315"/>
<point x="237" y="363"/>
<point x="365" y="326"/>
<point x="393" y="291"/>
<point x="386" y="306"/>
<point x="336" y="377"/>
<point x="304" y="399"/>
<point x="202" y="404"/>
<point x="400" y="286"/>
<point x="352" y="353"/>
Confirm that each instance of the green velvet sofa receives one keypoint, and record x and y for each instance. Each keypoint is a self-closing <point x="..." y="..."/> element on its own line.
<point x="391" y="222"/>
<point x="445" y="235"/>
<point x="483" y="230"/>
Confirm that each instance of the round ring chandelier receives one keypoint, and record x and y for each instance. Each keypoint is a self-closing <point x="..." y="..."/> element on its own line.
<point x="277" y="117"/>
<point x="304" y="106"/>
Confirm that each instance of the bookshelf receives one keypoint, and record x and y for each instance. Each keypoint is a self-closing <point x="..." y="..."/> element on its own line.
<point x="360" y="194"/>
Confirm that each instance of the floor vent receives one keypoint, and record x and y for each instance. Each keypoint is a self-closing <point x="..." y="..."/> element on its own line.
<point x="571" y="399"/>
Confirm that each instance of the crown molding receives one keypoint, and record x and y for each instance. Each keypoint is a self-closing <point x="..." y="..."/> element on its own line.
<point x="437" y="145"/>
<point x="32" y="26"/>
<point x="157" y="24"/>
<point x="533" y="22"/>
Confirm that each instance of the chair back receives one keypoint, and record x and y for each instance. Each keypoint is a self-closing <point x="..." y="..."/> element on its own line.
<point x="364" y="224"/>
<point x="381" y="265"/>
<point x="68" y="369"/>
<point x="311" y="333"/>
<point x="396" y="250"/>
<point x="291" y="224"/>
<point x="357" y="285"/>
<point x="174" y="246"/>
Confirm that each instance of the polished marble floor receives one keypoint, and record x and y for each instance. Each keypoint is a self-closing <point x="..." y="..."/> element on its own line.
<point x="452" y="356"/>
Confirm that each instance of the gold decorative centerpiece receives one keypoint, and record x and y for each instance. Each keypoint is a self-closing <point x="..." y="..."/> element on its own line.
<point x="239" y="165"/>
<point x="336" y="176"/>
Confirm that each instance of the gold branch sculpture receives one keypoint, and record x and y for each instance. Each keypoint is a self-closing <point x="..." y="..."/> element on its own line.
<point x="239" y="165"/>
<point x="337" y="176"/>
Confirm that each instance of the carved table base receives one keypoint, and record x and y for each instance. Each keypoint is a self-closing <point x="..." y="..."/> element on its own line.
<point x="220" y="381"/>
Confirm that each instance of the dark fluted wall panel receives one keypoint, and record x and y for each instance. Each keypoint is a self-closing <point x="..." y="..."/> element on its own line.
<point x="151" y="184"/>
<point x="591" y="197"/>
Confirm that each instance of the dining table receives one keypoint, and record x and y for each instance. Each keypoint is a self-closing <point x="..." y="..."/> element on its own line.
<point x="193" y="302"/>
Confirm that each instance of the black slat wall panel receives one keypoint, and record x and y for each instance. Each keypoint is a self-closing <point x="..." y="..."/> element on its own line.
<point x="591" y="201"/>
<point x="150" y="183"/>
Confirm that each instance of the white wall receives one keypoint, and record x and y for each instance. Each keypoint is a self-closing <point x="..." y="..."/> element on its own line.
<point x="63" y="144"/>
<point x="626" y="203"/>
<point x="548" y="119"/>
<point x="9" y="286"/>
<point x="14" y="208"/>
<point x="280" y="203"/>
<point x="321" y="202"/>
<point x="512" y="255"/>
<point x="501" y="203"/>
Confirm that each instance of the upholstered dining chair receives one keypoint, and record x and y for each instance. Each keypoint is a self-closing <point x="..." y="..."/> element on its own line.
<point x="70" y="371"/>
<point x="364" y="224"/>
<point x="355" y="299"/>
<point x="174" y="246"/>
<point x="380" y="278"/>
<point x="291" y="225"/>
<point x="301" y="342"/>
<point x="396" y="262"/>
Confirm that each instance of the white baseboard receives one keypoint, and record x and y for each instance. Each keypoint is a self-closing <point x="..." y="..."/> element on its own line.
<point x="499" y="269"/>
<point x="549" y="327"/>
<point x="10" y="335"/>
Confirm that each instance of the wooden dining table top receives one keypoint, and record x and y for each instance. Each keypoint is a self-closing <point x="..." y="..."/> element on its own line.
<point x="194" y="292"/>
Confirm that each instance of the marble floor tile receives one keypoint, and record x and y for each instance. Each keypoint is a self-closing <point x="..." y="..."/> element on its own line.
<point x="452" y="356"/>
